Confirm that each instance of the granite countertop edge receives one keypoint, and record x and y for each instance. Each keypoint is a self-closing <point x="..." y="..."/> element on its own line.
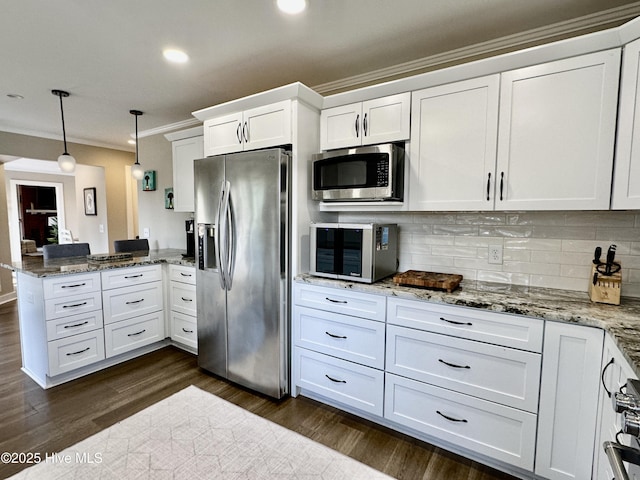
<point x="622" y="321"/>
<point x="37" y="267"/>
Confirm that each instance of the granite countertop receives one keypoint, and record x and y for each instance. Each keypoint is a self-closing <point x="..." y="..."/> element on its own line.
<point x="38" y="267"/>
<point x="621" y="321"/>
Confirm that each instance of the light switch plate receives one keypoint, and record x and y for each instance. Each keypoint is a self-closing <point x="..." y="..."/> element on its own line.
<point x="145" y="232"/>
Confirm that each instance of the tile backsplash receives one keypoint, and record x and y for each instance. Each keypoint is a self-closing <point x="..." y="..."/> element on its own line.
<point x="542" y="249"/>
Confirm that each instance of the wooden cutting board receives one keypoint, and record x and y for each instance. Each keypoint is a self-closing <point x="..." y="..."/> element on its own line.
<point x="433" y="280"/>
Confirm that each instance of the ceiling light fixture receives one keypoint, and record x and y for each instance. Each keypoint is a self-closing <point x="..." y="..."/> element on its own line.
<point x="65" y="161"/>
<point x="15" y="96"/>
<point x="292" y="7"/>
<point x="137" y="171"/>
<point x="175" y="56"/>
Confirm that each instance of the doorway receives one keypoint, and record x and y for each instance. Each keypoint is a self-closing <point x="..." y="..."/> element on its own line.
<point x="32" y="207"/>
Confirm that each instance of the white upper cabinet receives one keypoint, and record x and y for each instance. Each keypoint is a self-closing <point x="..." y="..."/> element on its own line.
<point x="556" y="134"/>
<point x="185" y="151"/>
<point x="626" y="180"/>
<point x="260" y="127"/>
<point x="453" y="145"/>
<point x="374" y="121"/>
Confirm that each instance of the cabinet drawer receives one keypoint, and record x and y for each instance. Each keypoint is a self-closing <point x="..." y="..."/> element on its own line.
<point x="499" y="374"/>
<point x="494" y="430"/>
<point x="66" y="285"/>
<point x="183" y="298"/>
<point x="124" y="277"/>
<point x="135" y="332"/>
<point x="341" y="301"/>
<point x="184" y="329"/>
<point x="76" y="351"/>
<point x="346" y="382"/>
<point x="181" y="273"/>
<point x="123" y="303"/>
<point x="497" y="328"/>
<point x="350" y="338"/>
<point x="63" y="307"/>
<point x="67" y="326"/>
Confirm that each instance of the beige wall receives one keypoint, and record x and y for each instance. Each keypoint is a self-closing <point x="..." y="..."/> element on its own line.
<point x="113" y="161"/>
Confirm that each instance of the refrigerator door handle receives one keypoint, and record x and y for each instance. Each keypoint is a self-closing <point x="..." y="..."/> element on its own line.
<point x="219" y="237"/>
<point x="225" y="213"/>
<point x="231" y="243"/>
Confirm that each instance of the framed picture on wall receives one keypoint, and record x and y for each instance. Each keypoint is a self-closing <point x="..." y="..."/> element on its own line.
<point x="149" y="181"/>
<point x="90" y="201"/>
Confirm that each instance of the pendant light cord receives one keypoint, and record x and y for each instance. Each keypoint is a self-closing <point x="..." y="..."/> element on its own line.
<point x="136" y="138"/>
<point x="60" y="94"/>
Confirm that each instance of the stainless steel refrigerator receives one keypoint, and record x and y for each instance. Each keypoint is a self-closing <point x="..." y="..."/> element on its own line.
<point x="242" y="275"/>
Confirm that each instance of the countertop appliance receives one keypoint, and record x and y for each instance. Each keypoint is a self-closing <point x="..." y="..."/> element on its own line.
<point x="242" y="276"/>
<point x="360" y="252"/>
<point x="625" y="460"/>
<point x="191" y="239"/>
<point x="372" y="173"/>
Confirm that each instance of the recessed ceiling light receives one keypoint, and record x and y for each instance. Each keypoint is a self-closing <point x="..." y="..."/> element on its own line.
<point x="175" y="56"/>
<point x="131" y="142"/>
<point x="15" y="96"/>
<point x="292" y="6"/>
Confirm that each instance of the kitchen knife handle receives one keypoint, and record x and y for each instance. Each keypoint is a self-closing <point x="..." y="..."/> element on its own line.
<point x="488" y="185"/>
<point x="501" y="185"/>
<point x="357" y="125"/>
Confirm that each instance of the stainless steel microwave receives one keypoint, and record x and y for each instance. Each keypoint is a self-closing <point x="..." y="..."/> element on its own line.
<point x="372" y="173"/>
<point x="352" y="251"/>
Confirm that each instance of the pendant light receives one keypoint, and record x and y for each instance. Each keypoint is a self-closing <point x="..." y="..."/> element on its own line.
<point x="65" y="161"/>
<point x="137" y="171"/>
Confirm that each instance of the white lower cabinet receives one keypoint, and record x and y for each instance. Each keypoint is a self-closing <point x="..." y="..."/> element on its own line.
<point x="506" y="434"/>
<point x="132" y="333"/>
<point x="518" y="393"/>
<point x="76" y="351"/>
<point x="133" y="308"/>
<point x="346" y="382"/>
<point x="183" y="306"/>
<point x="568" y="401"/>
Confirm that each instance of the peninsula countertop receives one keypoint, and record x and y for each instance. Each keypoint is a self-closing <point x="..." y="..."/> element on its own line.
<point x="38" y="267"/>
<point x="622" y="321"/>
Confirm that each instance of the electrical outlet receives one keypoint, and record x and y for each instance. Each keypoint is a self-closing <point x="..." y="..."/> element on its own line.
<point x="495" y="254"/>
<point x="145" y="232"/>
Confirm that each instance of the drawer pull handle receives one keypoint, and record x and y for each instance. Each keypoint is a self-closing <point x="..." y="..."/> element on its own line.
<point x="74" y="286"/>
<point x="187" y="299"/>
<point x="604" y="371"/>
<point x="74" y="305"/>
<point x="78" y="352"/>
<point x="451" y="419"/>
<point x="137" y="333"/>
<point x="134" y="301"/>
<point x="335" y="301"/>
<point x="335" y="336"/>
<point x="186" y="331"/>
<point x="76" y="325"/>
<point x="335" y="380"/>
<point x="185" y="274"/>
<point x="454" y="322"/>
<point x="453" y="365"/>
<point x="134" y="276"/>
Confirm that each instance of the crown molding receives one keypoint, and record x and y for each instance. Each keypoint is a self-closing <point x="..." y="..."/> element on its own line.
<point x="189" y="122"/>
<point x="540" y="35"/>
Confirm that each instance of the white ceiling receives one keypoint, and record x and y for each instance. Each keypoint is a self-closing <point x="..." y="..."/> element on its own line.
<point x="108" y="53"/>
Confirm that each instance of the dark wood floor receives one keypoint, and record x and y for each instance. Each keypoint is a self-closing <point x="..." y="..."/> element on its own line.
<point x="46" y="421"/>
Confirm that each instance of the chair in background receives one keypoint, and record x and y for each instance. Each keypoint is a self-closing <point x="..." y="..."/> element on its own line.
<point x="65" y="250"/>
<point x="137" y="245"/>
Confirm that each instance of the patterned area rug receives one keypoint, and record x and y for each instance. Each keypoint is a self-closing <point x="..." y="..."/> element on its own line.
<point x="195" y="435"/>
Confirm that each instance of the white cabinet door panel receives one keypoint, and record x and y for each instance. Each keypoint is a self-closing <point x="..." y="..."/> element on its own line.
<point x="120" y="337"/>
<point x="72" y="325"/>
<point x="342" y="301"/>
<point x="63" y="307"/>
<point x="556" y="134"/>
<point x="473" y="324"/>
<point x="76" y="351"/>
<point x="122" y="303"/>
<point x="340" y="126"/>
<point x="507" y="376"/>
<point x="223" y="134"/>
<point x="453" y="142"/>
<point x="184" y="153"/>
<point x="350" y="338"/>
<point x="267" y="126"/>
<point x="182" y="273"/>
<point x="125" y="277"/>
<point x="182" y="298"/>
<point x="354" y="385"/>
<point x="66" y="285"/>
<point x="500" y="432"/>
<point x="386" y="119"/>
<point x="626" y="180"/>
<point x="184" y="329"/>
